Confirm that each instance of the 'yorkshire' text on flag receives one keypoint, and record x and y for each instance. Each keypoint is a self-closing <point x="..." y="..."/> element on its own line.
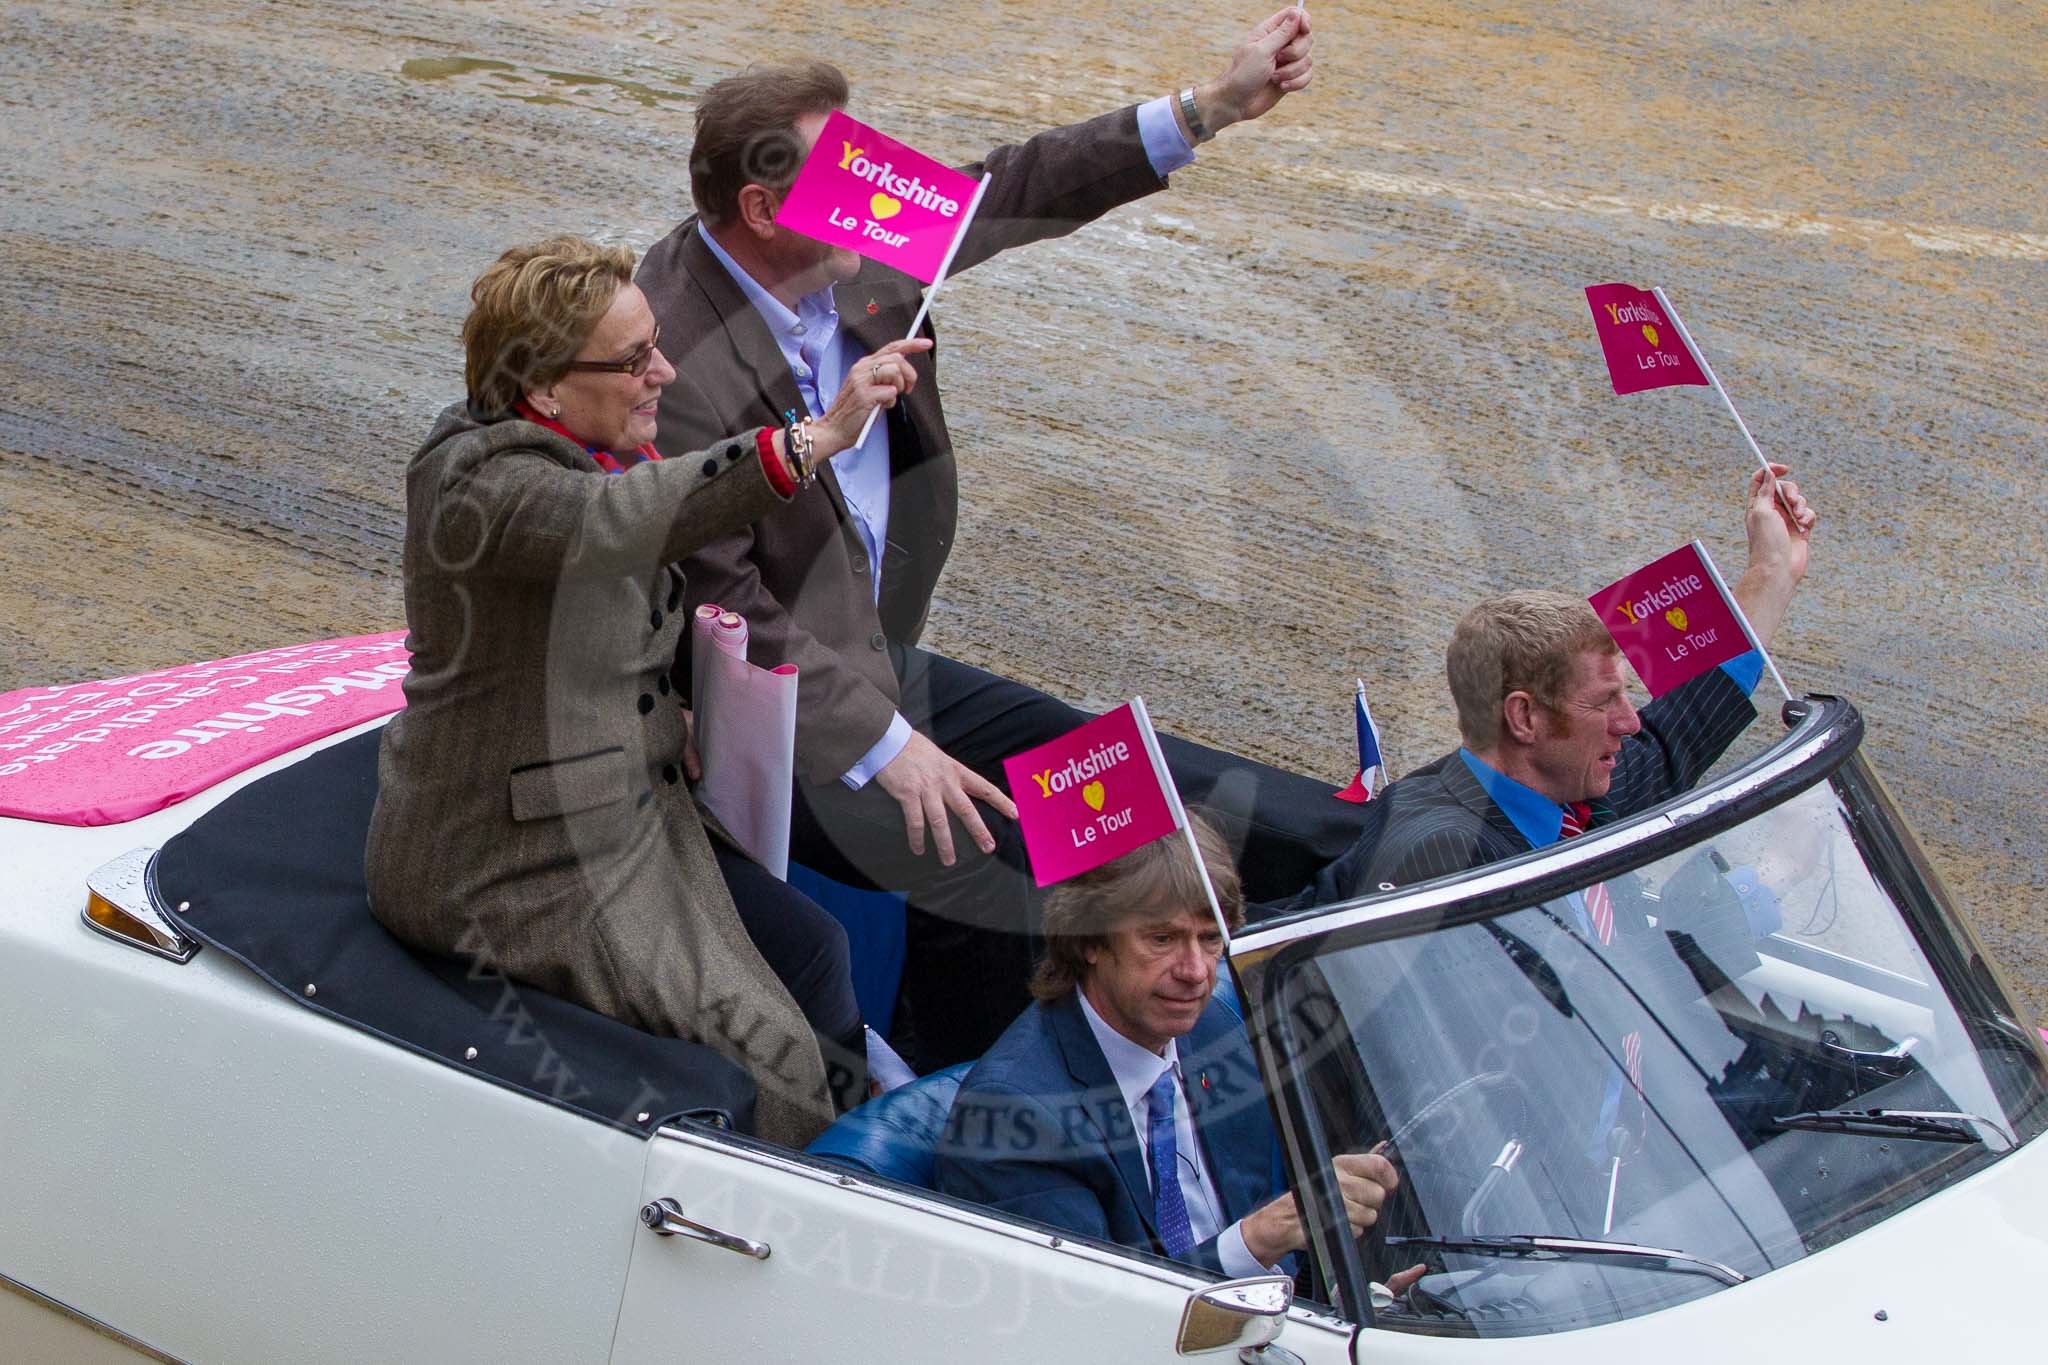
<point x="1644" y="348"/>
<point x="865" y="191"/>
<point x="1672" y="619"/>
<point x="1093" y="794"/>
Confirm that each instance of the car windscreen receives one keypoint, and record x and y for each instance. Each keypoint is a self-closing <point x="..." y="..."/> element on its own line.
<point x="1665" y="1082"/>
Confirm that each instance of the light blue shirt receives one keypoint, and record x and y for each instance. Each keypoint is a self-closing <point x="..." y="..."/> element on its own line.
<point x="1136" y="1070"/>
<point x="820" y="355"/>
<point x="1166" y="147"/>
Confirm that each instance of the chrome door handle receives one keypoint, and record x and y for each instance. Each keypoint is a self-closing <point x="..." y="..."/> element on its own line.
<point x="664" y="1216"/>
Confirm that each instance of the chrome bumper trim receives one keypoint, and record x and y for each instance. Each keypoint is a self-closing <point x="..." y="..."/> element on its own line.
<point x="112" y="1333"/>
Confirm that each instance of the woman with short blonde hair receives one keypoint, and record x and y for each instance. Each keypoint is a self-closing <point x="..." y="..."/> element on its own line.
<point x="532" y="812"/>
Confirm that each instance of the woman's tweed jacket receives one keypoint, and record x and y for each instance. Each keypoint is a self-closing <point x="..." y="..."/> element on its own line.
<point x="531" y="809"/>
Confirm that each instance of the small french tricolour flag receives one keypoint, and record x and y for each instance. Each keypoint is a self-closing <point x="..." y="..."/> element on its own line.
<point x="1372" y="768"/>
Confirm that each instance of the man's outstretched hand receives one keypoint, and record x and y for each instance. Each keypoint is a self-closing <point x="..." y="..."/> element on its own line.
<point x="1273" y="60"/>
<point x="927" y="782"/>
<point x="1778" y="523"/>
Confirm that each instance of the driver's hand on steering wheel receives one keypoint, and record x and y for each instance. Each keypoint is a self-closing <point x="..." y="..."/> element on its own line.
<point x="1364" y="1178"/>
<point x="1400" y="1282"/>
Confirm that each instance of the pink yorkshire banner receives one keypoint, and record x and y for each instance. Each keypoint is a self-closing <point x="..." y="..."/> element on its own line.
<point x="1091" y="795"/>
<point x="102" y="752"/>
<point x="1672" y="620"/>
<point x="870" y="193"/>
<point x="1643" y="347"/>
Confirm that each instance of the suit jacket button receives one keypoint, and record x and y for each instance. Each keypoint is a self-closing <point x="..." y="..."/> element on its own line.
<point x="860" y="563"/>
<point x="879" y="640"/>
<point x="710" y="468"/>
<point x="654" y="618"/>
<point x="646" y="702"/>
<point x="671" y="774"/>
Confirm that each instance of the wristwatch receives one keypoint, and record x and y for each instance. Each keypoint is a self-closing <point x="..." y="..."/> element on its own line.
<point x="1196" y="128"/>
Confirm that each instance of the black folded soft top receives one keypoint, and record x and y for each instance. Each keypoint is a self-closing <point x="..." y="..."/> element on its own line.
<point x="273" y="877"/>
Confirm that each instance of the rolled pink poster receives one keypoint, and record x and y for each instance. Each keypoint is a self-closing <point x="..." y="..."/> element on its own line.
<point x="729" y="633"/>
<point x="746" y="732"/>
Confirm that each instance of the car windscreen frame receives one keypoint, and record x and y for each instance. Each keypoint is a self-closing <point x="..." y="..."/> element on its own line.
<point x="1824" y="735"/>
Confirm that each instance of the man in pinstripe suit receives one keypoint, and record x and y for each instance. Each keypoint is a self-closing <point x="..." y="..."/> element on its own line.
<point x="1551" y="741"/>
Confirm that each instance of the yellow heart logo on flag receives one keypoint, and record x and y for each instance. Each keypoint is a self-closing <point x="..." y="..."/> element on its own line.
<point x="1650" y="334"/>
<point x="883" y="206"/>
<point x="1092" y="794"/>
<point x="1676" y="616"/>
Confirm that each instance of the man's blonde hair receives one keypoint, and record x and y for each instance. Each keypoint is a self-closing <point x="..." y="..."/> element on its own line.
<point x="1517" y="642"/>
<point x="1082" y="912"/>
<point x="531" y="311"/>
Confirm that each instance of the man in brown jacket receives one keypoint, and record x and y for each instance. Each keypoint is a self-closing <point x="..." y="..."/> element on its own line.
<point x="896" y="744"/>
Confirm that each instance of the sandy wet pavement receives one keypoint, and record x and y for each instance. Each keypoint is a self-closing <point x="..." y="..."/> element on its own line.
<point x="1228" y="449"/>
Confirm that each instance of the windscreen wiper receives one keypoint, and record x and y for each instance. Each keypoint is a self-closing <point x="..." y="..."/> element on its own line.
<point x="1930" y="1125"/>
<point x="1523" y="1246"/>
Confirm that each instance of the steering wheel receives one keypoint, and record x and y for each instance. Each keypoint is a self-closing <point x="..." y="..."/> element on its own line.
<point x="1447" y="1148"/>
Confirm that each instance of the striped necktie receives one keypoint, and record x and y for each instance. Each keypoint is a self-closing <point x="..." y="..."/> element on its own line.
<point x="1599" y="905"/>
<point x="1170" y="1207"/>
<point x="1600" y="911"/>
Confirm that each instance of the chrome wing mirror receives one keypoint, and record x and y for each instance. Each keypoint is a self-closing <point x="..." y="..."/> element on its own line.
<point x="1241" y="1315"/>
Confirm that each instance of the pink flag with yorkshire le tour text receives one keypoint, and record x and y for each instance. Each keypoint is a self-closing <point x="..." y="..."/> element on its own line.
<point x="98" y="753"/>
<point x="1644" y="349"/>
<point x="1093" y="794"/>
<point x="870" y="193"/>
<point x="1672" y="619"/>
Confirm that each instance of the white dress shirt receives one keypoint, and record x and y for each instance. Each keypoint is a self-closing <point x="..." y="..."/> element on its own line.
<point x="820" y="356"/>
<point x="1136" y="1069"/>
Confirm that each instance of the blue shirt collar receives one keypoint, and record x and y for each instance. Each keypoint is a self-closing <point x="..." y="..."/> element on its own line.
<point x="1539" y="818"/>
<point x="813" y="310"/>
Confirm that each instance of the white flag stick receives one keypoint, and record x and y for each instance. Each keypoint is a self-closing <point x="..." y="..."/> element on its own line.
<point x="1743" y="617"/>
<point x="945" y="264"/>
<point x="1180" y="814"/>
<point x="1700" y="356"/>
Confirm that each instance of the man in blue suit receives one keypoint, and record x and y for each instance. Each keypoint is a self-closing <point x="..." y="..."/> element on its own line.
<point x="1125" y="1104"/>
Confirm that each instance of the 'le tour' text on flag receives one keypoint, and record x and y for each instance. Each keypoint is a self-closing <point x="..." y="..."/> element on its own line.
<point x="1093" y="794"/>
<point x="1672" y="619"/>
<point x="872" y="194"/>
<point x="1644" y="348"/>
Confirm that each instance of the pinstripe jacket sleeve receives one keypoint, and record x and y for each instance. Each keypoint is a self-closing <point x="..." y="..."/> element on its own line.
<point x="1684" y="732"/>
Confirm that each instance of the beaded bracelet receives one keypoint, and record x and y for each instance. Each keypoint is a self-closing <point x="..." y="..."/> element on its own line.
<point x="796" y="440"/>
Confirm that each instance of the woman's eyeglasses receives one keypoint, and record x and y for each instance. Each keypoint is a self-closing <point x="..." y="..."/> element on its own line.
<point x="635" y="364"/>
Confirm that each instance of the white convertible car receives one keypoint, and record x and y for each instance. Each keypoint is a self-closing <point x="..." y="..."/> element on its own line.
<point x="243" y="1124"/>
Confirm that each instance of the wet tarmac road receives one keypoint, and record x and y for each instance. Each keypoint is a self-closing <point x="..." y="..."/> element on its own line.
<point x="1229" y="449"/>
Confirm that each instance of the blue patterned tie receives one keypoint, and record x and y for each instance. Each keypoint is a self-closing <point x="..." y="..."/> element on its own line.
<point x="1169" y="1207"/>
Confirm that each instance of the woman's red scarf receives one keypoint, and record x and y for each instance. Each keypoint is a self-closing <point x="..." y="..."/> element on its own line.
<point x="606" y="461"/>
